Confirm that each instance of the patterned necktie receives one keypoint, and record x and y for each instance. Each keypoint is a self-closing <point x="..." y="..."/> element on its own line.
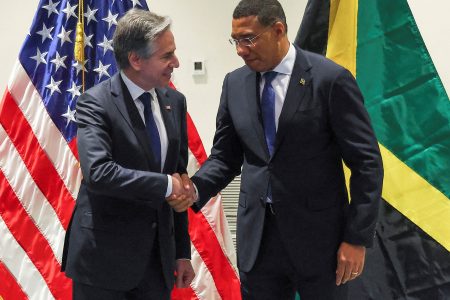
<point x="150" y="125"/>
<point x="268" y="110"/>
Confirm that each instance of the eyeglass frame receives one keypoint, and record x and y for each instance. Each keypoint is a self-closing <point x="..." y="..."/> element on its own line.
<point x="237" y="42"/>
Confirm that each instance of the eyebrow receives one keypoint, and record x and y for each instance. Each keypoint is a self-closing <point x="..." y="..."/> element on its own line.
<point x="243" y="36"/>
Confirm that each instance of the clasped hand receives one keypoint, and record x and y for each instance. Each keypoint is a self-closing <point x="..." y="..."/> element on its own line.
<point x="183" y="193"/>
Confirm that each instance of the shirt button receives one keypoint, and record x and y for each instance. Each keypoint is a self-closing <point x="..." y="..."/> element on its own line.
<point x="154" y="225"/>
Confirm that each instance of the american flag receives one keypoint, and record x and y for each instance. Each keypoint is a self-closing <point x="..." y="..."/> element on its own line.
<point x="39" y="169"/>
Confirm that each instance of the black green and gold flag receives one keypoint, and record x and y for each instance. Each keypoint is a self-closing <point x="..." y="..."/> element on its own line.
<point x="380" y="43"/>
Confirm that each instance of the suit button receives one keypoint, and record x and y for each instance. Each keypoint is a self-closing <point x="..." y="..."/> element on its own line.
<point x="154" y="225"/>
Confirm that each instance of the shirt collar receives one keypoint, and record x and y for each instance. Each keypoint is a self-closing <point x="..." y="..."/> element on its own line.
<point x="287" y="63"/>
<point x="135" y="90"/>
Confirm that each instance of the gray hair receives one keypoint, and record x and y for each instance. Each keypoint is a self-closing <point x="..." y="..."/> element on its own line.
<point x="136" y="31"/>
<point x="267" y="11"/>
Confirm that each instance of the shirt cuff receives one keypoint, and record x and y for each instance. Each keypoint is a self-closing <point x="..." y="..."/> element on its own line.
<point x="196" y="192"/>
<point x="169" y="186"/>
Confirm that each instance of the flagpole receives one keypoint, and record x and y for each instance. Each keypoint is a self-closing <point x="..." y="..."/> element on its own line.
<point x="79" y="41"/>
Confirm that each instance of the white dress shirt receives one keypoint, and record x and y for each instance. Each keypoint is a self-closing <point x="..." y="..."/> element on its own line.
<point x="136" y="92"/>
<point x="280" y="83"/>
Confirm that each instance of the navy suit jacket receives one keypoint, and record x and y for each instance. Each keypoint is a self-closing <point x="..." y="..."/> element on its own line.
<point x="121" y="209"/>
<point x="323" y="122"/>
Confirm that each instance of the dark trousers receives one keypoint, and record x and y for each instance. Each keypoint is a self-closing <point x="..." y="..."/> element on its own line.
<point x="274" y="277"/>
<point x="151" y="287"/>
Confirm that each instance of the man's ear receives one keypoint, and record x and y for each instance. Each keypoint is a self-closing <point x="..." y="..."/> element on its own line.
<point x="134" y="60"/>
<point x="279" y="28"/>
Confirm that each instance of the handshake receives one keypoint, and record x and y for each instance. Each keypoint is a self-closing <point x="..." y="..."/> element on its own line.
<point x="183" y="193"/>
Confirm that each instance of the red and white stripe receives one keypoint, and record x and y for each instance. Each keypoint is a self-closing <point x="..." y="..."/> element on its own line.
<point x="39" y="181"/>
<point x="213" y="254"/>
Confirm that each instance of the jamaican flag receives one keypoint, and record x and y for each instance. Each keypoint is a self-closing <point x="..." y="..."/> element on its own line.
<point x="380" y="43"/>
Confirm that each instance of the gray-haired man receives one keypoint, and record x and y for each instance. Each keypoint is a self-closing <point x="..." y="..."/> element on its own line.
<point x="125" y="241"/>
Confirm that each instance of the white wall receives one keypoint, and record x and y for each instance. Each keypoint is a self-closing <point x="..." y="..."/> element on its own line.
<point x="202" y="29"/>
<point x="14" y="25"/>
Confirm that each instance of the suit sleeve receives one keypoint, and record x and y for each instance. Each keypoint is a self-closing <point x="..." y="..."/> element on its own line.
<point x="182" y="240"/>
<point x="102" y="174"/>
<point x="226" y="157"/>
<point x="352" y="128"/>
<point x="183" y="156"/>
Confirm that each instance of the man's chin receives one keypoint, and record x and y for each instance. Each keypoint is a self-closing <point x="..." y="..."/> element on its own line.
<point x="254" y="65"/>
<point x="164" y="83"/>
<point x="167" y="78"/>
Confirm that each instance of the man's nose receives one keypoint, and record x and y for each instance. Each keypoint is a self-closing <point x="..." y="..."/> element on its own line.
<point x="175" y="62"/>
<point x="242" y="50"/>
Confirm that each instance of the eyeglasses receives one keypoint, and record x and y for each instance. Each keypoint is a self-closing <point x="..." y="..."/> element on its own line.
<point x="246" y="42"/>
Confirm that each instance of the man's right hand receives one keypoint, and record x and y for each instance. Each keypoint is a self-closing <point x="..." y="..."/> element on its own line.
<point x="182" y="196"/>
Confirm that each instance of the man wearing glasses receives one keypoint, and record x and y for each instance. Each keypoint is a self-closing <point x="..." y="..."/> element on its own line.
<point x="287" y="120"/>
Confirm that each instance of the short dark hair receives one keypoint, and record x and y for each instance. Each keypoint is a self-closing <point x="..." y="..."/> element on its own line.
<point x="135" y="32"/>
<point x="267" y="11"/>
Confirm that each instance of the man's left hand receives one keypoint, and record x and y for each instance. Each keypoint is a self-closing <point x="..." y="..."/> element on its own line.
<point x="185" y="273"/>
<point x="350" y="262"/>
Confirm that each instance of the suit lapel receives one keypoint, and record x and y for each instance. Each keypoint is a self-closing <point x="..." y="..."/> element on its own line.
<point x="254" y="107"/>
<point x="167" y="107"/>
<point x="129" y="111"/>
<point x="297" y="89"/>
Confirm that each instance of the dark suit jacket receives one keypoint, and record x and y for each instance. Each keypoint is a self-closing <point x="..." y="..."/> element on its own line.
<point x="323" y="121"/>
<point x="121" y="206"/>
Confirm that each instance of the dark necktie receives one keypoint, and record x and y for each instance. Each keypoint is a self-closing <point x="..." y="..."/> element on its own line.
<point x="268" y="115"/>
<point x="268" y="110"/>
<point x="150" y="125"/>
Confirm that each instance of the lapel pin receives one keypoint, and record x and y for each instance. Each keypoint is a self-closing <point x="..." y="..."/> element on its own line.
<point x="168" y="108"/>
<point x="302" y="81"/>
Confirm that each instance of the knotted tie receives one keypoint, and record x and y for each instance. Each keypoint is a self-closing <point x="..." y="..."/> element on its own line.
<point x="268" y="115"/>
<point x="268" y="110"/>
<point x="150" y="125"/>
